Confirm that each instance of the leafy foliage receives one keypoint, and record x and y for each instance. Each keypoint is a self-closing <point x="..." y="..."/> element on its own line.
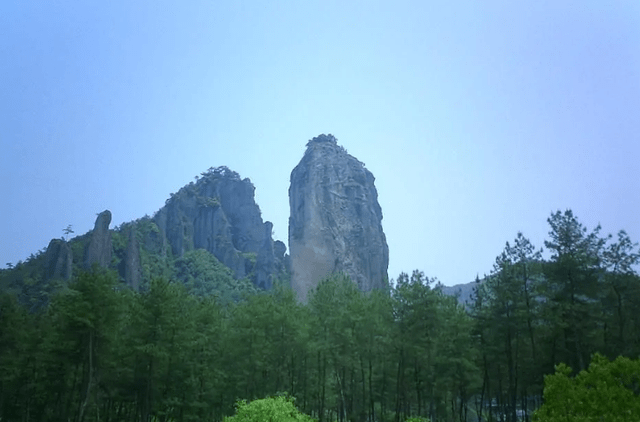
<point x="275" y="409"/>
<point x="605" y="392"/>
<point x="204" y="275"/>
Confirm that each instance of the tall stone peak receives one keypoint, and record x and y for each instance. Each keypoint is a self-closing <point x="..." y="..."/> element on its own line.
<point x="99" y="247"/>
<point x="336" y="221"/>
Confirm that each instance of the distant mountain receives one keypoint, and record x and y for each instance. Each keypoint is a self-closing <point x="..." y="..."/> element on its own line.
<point x="217" y="214"/>
<point x="463" y="292"/>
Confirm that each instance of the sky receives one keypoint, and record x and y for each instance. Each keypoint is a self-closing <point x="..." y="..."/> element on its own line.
<point x="477" y="119"/>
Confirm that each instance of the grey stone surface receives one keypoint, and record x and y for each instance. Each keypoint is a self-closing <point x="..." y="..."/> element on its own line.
<point x="132" y="267"/>
<point x="99" y="247"/>
<point x="279" y="249"/>
<point x="59" y="260"/>
<point x="219" y="213"/>
<point x="335" y="223"/>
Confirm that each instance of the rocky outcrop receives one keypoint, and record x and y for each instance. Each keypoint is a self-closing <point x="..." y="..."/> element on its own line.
<point x="99" y="247"/>
<point x="335" y="223"/>
<point x="132" y="267"/>
<point x="218" y="213"/>
<point x="279" y="249"/>
<point x="58" y="260"/>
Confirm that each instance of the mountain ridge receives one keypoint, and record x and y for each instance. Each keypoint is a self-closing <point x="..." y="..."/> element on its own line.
<point x="216" y="213"/>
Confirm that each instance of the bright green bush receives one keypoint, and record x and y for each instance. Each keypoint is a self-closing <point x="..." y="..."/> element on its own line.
<point x="606" y="392"/>
<point x="272" y="409"/>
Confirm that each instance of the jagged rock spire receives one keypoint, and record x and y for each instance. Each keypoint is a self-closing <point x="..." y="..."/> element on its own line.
<point x="335" y="223"/>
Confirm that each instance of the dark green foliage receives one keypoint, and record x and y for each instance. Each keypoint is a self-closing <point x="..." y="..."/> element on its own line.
<point x="436" y="372"/>
<point x="15" y="338"/>
<point x="119" y="246"/>
<point x="101" y="351"/>
<point x="573" y="286"/>
<point x="155" y="255"/>
<point x="621" y="297"/>
<point x="532" y="315"/>
<point x="204" y="275"/>
<point x="29" y="282"/>
<point x="506" y="311"/>
<point x="78" y="247"/>
<point x="188" y="346"/>
<point x="268" y="349"/>
<point x="63" y="352"/>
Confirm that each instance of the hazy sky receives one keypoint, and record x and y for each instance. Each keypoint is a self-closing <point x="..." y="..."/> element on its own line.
<point x="478" y="119"/>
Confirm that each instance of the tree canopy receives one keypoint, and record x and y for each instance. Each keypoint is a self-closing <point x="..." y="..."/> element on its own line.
<point x="192" y="341"/>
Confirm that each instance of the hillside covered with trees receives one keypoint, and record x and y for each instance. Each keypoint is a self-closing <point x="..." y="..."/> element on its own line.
<point x="189" y="345"/>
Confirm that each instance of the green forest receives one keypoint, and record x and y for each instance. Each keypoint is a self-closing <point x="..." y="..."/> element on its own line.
<point x="551" y="336"/>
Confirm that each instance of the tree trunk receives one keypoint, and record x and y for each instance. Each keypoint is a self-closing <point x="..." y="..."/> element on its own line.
<point x="89" y="380"/>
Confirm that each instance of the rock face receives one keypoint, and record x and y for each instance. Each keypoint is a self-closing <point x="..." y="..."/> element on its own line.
<point x="59" y="260"/>
<point x="335" y="222"/>
<point x="99" y="247"/>
<point x="218" y="213"/>
<point x="132" y="267"/>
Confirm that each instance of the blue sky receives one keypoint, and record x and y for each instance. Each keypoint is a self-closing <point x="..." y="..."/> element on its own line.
<point x="478" y="119"/>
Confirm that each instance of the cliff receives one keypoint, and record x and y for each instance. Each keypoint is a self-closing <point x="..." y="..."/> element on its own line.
<point x="58" y="260"/>
<point x="218" y="213"/>
<point x="131" y="263"/>
<point x="335" y="221"/>
<point x="210" y="234"/>
<point x="99" y="247"/>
